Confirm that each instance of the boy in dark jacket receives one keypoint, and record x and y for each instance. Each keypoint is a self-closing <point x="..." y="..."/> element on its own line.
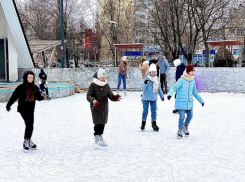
<point x="180" y="68"/>
<point x="98" y="94"/>
<point x="27" y="94"/>
<point x="43" y="83"/>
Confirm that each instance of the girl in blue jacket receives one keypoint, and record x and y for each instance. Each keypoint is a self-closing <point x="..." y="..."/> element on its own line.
<point x="186" y="88"/>
<point x="151" y="87"/>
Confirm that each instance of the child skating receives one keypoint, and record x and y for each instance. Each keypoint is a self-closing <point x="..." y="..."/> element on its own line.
<point x="98" y="94"/>
<point x="27" y="94"/>
<point x="186" y="88"/>
<point x="151" y="88"/>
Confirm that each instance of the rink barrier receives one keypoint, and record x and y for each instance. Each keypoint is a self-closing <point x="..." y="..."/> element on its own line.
<point x="207" y="79"/>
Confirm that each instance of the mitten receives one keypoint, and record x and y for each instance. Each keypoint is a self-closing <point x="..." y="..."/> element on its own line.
<point x="162" y="99"/>
<point x="146" y="81"/>
<point x="116" y="97"/>
<point x="169" y="97"/>
<point x="96" y="105"/>
<point x="202" y="104"/>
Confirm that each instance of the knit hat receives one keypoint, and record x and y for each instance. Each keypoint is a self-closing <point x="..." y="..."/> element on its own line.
<point x="153" y="67"/>
<point x="124" y="58"/>
<point x="101" y="73"/>
<point x="189" y="68"/>
<point x="177" y="62"/>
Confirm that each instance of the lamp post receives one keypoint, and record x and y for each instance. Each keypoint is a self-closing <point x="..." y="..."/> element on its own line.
<point x="241" y="56"/>
<point x="62" y="35"/>
<point x="123" y="29"/>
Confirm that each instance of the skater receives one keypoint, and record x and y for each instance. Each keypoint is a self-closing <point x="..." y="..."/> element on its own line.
<point x="122" y="74"/>
<point x="98" y="94"/>
<point x="144" y="66"/>
<point x="151" y="87"/>
<point x="180" y="68"/>
<point x="27" y="94"/>
<point x="186" y="89"/>
<point x="164" y="69"/>
<point x="43" y="83"/>
<point x="155" y="61"/>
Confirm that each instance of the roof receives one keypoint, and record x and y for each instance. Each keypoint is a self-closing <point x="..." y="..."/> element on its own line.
<point x="129" y="46"/>
<point x="224" y="43"/>
<point x="38" y="46"/>
<point x="24" y="56"/>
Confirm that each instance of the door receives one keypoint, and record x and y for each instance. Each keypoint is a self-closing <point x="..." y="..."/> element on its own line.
<point x="2" y="60"/>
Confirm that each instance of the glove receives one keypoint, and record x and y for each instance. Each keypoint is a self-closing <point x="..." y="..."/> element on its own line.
<point x="162" y="99"/>
<point x="116" y="97"/>
<point x="169" y="97"/>
<point x="146" y="81"/>
<point x="202" y="104"/>
<point x="96" y="105"/>
<point x="8" y="109"/>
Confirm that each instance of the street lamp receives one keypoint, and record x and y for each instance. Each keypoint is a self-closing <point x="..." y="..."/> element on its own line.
<point x="241" y="56"/>
<point x="113" y="22"/>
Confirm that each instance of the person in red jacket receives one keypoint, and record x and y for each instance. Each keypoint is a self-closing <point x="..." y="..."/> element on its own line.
<point x="122" y="74"/>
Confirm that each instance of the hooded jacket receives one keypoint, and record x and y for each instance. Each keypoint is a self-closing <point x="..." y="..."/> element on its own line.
<point x="143" y="68"/>
<point x="101" y="94"/>
<point x="163" y="64"/>
<point x="20" y="94"/>
<point x="186" y="88"/>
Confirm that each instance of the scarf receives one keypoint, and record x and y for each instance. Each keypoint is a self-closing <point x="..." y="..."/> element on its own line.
<point x="187" y="77"/>
<point x="99" y="83"/>
<point x="155" y="82"/>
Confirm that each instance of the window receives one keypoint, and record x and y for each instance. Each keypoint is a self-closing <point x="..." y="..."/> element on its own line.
<point x="239" y="32"/>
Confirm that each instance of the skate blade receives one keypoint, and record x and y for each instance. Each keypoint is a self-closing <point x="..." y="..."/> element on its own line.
<point x="32" y="148"/>
<point x="179" y="137"/>
<point x="26" y="151"/>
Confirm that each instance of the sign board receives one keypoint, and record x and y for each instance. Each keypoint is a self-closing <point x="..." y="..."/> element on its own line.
<point x="88" y="39"/>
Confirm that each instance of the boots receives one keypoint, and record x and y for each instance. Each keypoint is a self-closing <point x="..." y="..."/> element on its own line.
<point x="26" y="144"/>
<point x="154" y="126"/>
<point x="125" y="92"/>
<point x="175" y="111"/>
<point x="179" y="134"/>
<point x="143" y="125"/>
<point x="102" y="141"/>
<point x="97" y="140"/>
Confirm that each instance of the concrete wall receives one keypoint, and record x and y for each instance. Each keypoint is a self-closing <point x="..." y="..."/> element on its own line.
<point x="207" y="79"/>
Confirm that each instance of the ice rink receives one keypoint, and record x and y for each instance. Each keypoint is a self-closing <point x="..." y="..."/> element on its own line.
<point x="63" y="132"/>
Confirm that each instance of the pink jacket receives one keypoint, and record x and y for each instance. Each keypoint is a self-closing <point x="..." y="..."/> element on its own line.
<point x="122" y="69"/>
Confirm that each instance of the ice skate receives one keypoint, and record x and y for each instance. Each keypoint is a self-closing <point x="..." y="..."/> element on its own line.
<point x="102" y="141"/>
<point x="186" y="132"/>
<point x="175" y="111"/>
<point x="125" y="92"/>
<point x="97" y="140"/>
<point x="143" y="125"/>
<point x="179" y="134"/>
<point x="26" y="145"/>
<point x="154" y="126"/>
<point x="32" y="145"/>
<point x="117" y="91"/>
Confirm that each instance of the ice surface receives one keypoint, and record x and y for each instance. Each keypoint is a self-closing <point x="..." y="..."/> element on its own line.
<point x="63" y="132"/>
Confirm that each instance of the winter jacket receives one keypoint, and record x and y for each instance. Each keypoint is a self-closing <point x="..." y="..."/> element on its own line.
<point x="163" y="64"/>
<point x="147" y="89"/>
<point x="179" y="71"/>
<point x="101" y="94"/>
<point x="186" y="90"/>
<point x="143" y="68"/>
<point x="122" y="68"/>
<point x="23" y="104"/>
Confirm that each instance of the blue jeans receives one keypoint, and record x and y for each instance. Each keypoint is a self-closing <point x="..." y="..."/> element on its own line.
<point x="153" y="109"/>
<point x="182" y="117"/>
<point x="120" y="77"/>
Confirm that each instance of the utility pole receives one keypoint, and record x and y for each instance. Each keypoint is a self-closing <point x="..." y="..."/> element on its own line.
<point x="62" y="35"/>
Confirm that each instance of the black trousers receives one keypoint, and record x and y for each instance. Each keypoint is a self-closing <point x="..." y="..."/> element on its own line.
<point x="163" y="81"/>
<point x="99" y="129"/>
<point x="28" y="117"/>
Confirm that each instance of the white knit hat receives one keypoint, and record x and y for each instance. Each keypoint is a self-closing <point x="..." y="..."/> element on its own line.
<point x="124" y="58"/>
<point x="101" y="73"/>
<point x="153" y="67"/>
<point x="177" y="62"/>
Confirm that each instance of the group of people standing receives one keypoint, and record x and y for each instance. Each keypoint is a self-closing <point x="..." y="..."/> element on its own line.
<point x="99" y="91"/>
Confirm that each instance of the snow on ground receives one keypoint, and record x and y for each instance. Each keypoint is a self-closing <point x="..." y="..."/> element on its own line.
<point x="214" y="151"/>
